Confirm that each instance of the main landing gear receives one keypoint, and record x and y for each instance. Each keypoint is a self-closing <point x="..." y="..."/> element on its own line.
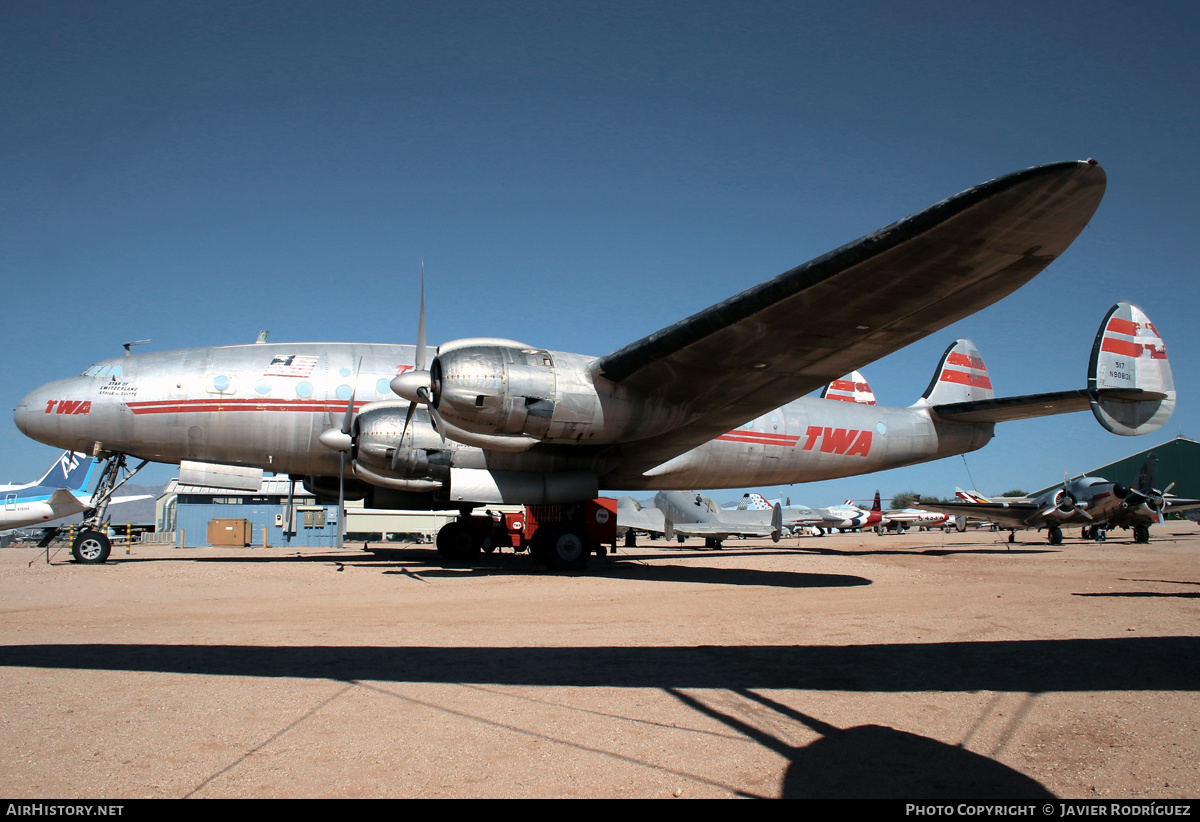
<point x="559" y="536"/>
<point x="92" y="545"/>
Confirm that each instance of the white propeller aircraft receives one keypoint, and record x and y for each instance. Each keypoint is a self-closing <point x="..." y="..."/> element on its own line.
<point x="714" y="401"/>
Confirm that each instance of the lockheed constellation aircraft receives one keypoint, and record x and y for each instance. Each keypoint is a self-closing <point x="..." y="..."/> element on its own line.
<point x="711" y="401"/>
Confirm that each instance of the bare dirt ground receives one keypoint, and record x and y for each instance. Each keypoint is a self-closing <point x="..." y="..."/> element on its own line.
<point x="924" y="665"/>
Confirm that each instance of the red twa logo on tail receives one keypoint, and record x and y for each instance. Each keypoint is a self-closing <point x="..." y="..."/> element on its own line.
<point x="838" y="440"/>
<point x="69" y="406"/>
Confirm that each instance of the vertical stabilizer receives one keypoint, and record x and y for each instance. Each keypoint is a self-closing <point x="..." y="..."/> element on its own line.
<point x="850" y="388"/>
<point x="72" y="471"/>
<point x="1129" y="379"/>
<point x="961" y="376"/>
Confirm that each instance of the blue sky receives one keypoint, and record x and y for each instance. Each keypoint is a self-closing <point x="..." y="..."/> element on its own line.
<point x="578" y="175"/>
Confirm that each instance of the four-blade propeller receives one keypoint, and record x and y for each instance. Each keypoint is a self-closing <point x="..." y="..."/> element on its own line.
<point x="415" y="386"/>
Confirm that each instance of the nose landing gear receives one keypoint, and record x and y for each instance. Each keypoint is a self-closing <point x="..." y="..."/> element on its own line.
<point x="92" y="545"/>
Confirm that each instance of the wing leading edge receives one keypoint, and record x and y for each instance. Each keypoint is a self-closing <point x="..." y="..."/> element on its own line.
<point x="808" y="326"/>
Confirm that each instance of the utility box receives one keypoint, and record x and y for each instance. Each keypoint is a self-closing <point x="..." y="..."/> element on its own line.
<point x="227" y="532"/>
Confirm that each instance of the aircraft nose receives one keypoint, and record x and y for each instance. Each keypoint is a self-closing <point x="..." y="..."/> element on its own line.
<point x="32" y="414"/>
<point x="21" y="414"/>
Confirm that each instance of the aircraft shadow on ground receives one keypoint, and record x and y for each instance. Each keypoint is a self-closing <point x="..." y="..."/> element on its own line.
<point x="661" y="573"/>
<point x="862" y="761"/>
<point x="875" y="761"/>
<point x="1022" y="666"/>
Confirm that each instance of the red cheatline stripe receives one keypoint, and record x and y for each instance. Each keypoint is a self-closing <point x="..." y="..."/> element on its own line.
<point x="1123" y="347"/>
<point x="1131" y="349"/>
<point x="841" y="385"/>
<point x="759" y="438"/>
<point x="208" y="406"/>
<point x="956" y="358"/>
<point x="963" y="378"/>
<point x="1122" y="326"/>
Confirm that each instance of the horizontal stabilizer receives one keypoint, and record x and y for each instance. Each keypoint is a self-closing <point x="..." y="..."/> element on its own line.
<point x="62" y="498"/>
<point x="1007" y="409"/>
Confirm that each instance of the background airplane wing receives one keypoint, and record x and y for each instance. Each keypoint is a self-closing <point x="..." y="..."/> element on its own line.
<point x="722" y="529"/>
<point x="1006" y="514"/>
<point x="797" y="332"/>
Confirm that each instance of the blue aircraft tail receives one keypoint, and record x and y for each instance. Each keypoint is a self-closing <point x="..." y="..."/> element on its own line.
<point x="72" y="471"/>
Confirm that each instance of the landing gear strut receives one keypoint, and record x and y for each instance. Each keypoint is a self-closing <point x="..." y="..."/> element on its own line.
<point x="92" y="546"/>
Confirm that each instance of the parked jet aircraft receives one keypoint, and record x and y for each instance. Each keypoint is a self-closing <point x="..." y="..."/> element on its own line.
<point x="796" y="518"/>
<point x="905" y="518"/>
<point x="1094" y="502"/>
<point x="849" y="517"/>
<point x="711" y="401"/>
<point x="59" y="493"/>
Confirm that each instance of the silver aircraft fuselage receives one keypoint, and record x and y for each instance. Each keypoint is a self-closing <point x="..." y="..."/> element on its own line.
<point x="266" y="405"/>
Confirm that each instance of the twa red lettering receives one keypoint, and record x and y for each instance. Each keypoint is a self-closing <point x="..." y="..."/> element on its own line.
<point x="836" y="440"/>
<point x="846" y="441"/>
<point x="68" y="406"/>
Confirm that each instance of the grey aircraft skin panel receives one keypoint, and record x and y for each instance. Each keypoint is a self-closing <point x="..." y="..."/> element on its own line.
<point x="714" y="401"/>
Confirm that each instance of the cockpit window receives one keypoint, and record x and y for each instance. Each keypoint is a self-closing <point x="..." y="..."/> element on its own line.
<point x="106" y="371"/>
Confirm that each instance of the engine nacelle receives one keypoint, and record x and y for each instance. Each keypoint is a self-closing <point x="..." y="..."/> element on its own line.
<point x="1064" y="502"/>
<point x="423" y="456"/>
<point x="502" y="388"/>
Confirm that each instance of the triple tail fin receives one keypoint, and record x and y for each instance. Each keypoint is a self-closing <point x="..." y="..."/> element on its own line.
<point x="851" y="388"/>
<point x="1129" y="379"/>
<point x="961" y="376"/>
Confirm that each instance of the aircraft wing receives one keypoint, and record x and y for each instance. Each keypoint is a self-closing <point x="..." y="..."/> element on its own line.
<point x="1005" y="514"/>
<point x="721" y="529"/>
<point x="807" y="327"/>
<point x="639" y="518"/>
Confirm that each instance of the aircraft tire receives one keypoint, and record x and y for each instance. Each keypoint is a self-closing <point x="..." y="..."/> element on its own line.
<point x="1055" y="535"/>
<point x="562" y="547"/>
<point x="1141" y="534"/>
<point x="455" y="541"/>
<point x="91" y="548"/>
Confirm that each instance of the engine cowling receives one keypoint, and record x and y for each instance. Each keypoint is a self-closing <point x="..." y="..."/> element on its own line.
<point x="500" y="389"/>
<point x="422" y="456"/>
<point x="1064" y="502"/>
